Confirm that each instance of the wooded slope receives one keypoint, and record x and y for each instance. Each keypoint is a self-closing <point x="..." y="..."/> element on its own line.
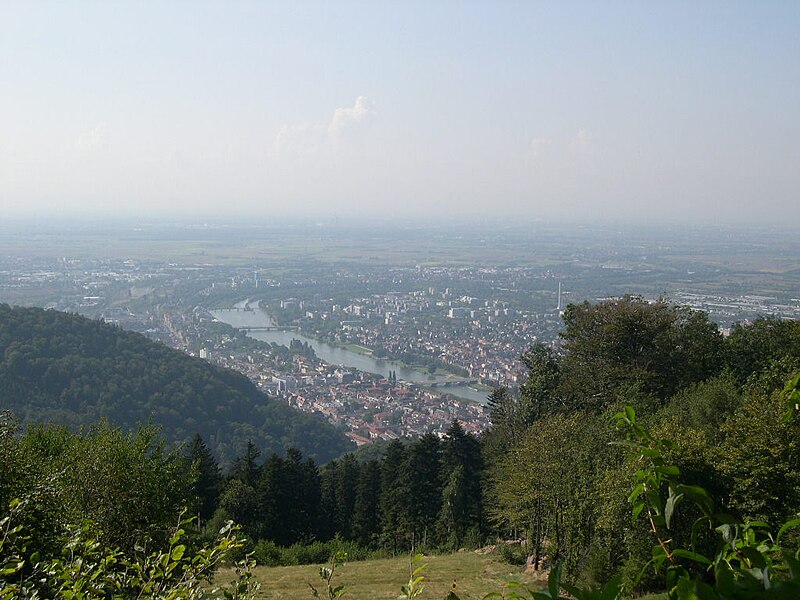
<point x="64" y="368"/>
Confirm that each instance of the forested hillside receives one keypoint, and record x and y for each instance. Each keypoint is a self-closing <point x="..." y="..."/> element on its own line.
<point x="559" y="476"/>
<point x="63" y="368"/>
<point x="644" y="401"/>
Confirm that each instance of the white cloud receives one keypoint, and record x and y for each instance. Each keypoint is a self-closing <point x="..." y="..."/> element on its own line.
<point x="304" y="139"/>
<point x="308" y="139"/>
<point x="582" y="144"/>
<point x="539" y="146"/>
<point x="346" y="118"/>
<point x="94" y="139"/>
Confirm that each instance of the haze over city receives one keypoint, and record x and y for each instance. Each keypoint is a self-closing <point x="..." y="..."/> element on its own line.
<point x="670" y="112"/>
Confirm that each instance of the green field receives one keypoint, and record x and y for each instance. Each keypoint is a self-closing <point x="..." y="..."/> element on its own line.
<point x="474" y="575"/>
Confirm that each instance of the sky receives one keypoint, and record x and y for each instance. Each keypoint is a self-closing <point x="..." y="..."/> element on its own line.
<point x="650" y="111"/>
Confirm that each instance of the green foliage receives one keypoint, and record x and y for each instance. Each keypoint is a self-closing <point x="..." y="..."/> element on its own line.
<point x="749" y="558"/>
<point x="326" y="573"/>
<point x="537" y="393"/>
<point x="554" y="482"/>
<point x="514" y="554"/>
<point x="759" y="457"/>
<point x="544" y="487"/>
<point x="127" y="484"/>
<point x="414" y="587"/>
<point x="752" y="347"/>
<point x="205" y="473"/>
<point x="268" y="553"/>
<point x="618" y="342"/>
<point x="87" y="568"/>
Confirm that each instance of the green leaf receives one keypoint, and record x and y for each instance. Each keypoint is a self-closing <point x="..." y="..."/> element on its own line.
<point x="612" y="589"/>
<point x="786" y="526"/>
<point x="177" y="552"/>
<point x="659" y="556"/>
<point x="419" y="570"/>
<point x="637" y="489"/>
<point x="554" y="580"/>
<point x="699" y="495"/>
<point x="175" y="538"/>
<point x="637" y="509"/>
<point x="689" y="555"/>
<point x="668" y="470"/>
<point x="753" y="556"/>
<point x="672" y="502"/>
<point x="574" y="591"/>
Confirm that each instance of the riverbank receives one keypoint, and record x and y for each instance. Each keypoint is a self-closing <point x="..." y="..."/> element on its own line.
<point x="345" y="356"/>
<point x="369" y="352"/>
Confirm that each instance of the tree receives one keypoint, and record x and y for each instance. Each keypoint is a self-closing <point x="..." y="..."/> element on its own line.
<point x="752" y="347"/>
<point x="544" y="486"/>
<point x="326" y="516"/>
<point x="462" y="495"/>
<point x="507" y="424"/>
<point x="245" y="467"/>
<point x="207" y="477"/>
<point x="240" y="503"/>
<point x="393" y="495"/>
<point x="617" y="343"/>
<point x="366" y="517"/>
<point x="421" y="475"/>
<point x="538" y="393"/>
<point x="759" y="460"/>
<point x="345" y="488"/>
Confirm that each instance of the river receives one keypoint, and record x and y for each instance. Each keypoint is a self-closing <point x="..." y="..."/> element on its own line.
<point x="334" y="355"/>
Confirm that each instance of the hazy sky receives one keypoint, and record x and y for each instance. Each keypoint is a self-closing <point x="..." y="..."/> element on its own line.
<point x="610" y="110"/>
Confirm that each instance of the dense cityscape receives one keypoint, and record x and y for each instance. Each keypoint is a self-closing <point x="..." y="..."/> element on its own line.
<point x="453" y="332"/>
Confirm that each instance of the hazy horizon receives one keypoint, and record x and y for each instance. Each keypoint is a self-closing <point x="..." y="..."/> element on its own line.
<point x="618" y="112"/>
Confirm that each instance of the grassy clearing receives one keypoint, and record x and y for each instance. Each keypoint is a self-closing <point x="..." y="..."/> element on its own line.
<point x="474" y="575"/>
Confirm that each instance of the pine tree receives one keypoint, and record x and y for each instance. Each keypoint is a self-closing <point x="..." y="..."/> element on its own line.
<point x="326" y="515"/>
<point x="462" y="496"/>
<point x="365" y="509"/>
<point x="246" y="466"/>
<point x="345" y="488"/>
<point x="421" y="474"/>
<point x="208" y="482"/>
<point x="392" y="493"/>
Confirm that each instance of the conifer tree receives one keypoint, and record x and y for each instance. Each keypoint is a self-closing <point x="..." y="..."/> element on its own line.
<point x="345" y="489"/>
<point x="421" y="475"/>
<point x="326" y="515"/>
<point x="365" y="509"/>
<point x="208" y="482"/>
<point x="462" y="496"/>
<point x="392" y="492"/>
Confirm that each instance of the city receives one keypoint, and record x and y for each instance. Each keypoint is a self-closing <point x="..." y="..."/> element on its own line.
<point x="330" y="338"/>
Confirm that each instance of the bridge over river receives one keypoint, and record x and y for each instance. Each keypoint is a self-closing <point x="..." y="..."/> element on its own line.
<point x="270" y="328"/>
<point x="450" y="383"/>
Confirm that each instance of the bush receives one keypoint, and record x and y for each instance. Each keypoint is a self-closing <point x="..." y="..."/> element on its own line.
<point x="88" y="568"/>
<point x="514" y="554"/>
<point x="267" y="553"/>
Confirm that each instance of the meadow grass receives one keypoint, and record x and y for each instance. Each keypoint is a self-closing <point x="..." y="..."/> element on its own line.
<point x="474" y="575"/>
